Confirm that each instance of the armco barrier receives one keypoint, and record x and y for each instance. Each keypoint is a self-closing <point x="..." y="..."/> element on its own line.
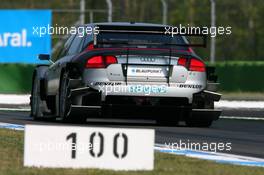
<point x="233" y="77"/>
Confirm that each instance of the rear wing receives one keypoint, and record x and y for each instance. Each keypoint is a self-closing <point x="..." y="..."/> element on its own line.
<point x="149" y="30"/>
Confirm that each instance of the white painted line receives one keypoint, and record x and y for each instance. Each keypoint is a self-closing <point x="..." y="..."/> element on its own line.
<point x="240" y="104"/>
<point x="15" y="109"/>
<point x="217" y="157"/>
<point x="12" y="126"/>
<point x="15" y="99"/>
<point x="241" y="118"/>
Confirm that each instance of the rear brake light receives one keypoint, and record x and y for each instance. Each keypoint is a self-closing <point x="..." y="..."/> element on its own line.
<point x="95" y="62"/>
<point x="100" y="61"/>
<point x="197" y="65"/>
<point x="182" y="62"/>
<point x="110" y="60"/>
<point x="194" y="65"/>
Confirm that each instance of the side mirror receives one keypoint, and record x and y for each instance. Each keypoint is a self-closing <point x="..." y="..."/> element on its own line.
<point x="44" y="57"/>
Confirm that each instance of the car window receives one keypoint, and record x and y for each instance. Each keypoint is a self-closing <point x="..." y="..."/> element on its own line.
<point x="75" y="45"/>
<point x="64" y="48"/>
<point x="88" y="40"/>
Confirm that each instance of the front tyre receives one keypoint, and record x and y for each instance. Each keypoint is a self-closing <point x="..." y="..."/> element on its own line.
<point x="36" y="112"/>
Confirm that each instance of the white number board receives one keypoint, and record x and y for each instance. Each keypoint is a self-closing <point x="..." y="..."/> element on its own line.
<point x="88" y="147"/>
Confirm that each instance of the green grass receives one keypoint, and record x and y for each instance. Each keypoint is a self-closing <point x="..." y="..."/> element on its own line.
<point x="11" y="163"/>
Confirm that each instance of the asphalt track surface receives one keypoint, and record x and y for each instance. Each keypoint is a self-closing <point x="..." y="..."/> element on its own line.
<point x="246" y="136"/>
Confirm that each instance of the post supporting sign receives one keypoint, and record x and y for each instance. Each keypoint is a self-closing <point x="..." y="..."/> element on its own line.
<point x="88" y="147"/>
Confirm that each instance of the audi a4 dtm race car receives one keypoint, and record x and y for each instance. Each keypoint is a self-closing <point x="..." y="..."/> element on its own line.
<point x="127" y="69"/>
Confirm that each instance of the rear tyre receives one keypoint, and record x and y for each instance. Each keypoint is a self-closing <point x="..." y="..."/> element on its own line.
<point x="199" y="123"/>
<point x="170" y="122"/>
<point x="167" y="123"/>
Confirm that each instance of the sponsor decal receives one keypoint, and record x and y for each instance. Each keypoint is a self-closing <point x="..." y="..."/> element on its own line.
<point x="189" y="86"/>
<point x="146" y="71"/>
<point x="18" y="44"/>
<point x="15" y="39"/>
<point x="147" y="59"/>
<point x="106" y="83"/>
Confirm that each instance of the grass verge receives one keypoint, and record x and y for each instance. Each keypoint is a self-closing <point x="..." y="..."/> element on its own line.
<point x="11" y="163"/>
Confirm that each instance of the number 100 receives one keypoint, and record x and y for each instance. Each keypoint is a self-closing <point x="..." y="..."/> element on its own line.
<point x="73" y="138"/>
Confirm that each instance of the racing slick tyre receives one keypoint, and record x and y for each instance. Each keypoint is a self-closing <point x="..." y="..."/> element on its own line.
<point x="36" y="103"/>
<point x="200" y="121"/>
<point x="169" y="123"/>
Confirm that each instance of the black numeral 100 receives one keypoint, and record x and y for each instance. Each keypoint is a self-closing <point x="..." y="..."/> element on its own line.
<point x="73" y="138"/>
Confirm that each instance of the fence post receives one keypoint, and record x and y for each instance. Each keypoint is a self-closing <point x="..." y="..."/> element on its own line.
<point x="213" y="19"/>
<point x="164" y="11"/>
<point x="82" y="12"/>
<point x="110" y="10"/>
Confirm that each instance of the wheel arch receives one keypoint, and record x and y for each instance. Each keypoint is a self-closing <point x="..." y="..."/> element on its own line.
<point x="39" y="71"/>
<point x="38" y="74"/>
